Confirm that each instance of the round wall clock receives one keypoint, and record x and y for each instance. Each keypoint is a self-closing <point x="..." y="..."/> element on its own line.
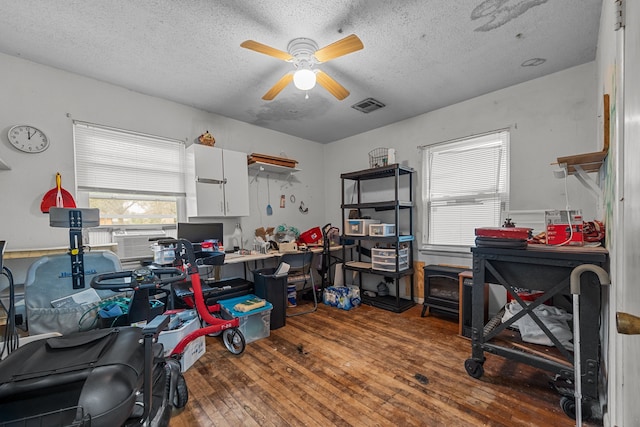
<point x="28" y="139"/>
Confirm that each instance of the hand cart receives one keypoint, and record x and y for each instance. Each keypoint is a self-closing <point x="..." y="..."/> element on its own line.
<point x="547" y="269"/>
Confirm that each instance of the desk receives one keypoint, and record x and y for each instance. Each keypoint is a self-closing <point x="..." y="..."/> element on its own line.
<point x="237" y="258"/>
<point x="546" y="269"/>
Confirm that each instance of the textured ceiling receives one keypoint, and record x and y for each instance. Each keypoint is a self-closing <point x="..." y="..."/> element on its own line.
<point x="418" y="55"/>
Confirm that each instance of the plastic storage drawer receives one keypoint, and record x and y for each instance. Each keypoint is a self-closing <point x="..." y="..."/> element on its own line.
<point x="358" y="227"/>
<point x="385" y="259"/>
<point x="254" y="324"/>
<point x="382" y="230"/>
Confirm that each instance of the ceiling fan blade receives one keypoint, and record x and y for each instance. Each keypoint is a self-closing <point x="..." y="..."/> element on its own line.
<point x="277" y="88"/>
<point x="267" y="50"/>
<point x="332" y="86"/>
<point x="342" y="47"/>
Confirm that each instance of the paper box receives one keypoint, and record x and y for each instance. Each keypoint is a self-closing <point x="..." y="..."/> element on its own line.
<point x="564" y="227"/>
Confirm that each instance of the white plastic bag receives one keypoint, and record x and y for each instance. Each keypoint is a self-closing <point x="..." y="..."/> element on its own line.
<point x="554" y="318"/>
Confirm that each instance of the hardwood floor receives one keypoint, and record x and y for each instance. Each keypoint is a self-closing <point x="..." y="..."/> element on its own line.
<point x="364" y="367"/>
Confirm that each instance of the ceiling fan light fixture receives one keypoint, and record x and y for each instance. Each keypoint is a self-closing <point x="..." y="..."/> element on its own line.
<point x="304" y="79"/>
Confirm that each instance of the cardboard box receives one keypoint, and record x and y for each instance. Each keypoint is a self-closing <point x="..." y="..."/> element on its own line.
<point x="564" y="227"/>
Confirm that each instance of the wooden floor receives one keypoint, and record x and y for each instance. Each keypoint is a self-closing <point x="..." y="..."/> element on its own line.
<point x="364" y="367"/>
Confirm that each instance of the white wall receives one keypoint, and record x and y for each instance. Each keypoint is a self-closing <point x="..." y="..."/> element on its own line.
<point x="548" y="117"/>
<point x="50" y="99"/>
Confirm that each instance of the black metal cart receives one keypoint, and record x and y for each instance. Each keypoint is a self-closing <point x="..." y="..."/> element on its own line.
<point x="546" y="269"/>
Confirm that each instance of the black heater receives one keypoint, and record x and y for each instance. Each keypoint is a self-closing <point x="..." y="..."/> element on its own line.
<point x="442" y="289"/>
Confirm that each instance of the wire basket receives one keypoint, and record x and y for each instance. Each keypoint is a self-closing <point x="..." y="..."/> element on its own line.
<point x="378" y="157"/>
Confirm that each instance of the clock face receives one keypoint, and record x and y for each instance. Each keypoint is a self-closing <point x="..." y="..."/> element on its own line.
<point x="28" y="139"/>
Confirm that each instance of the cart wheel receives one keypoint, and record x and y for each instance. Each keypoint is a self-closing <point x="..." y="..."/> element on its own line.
<point x="568" y="405"/>
<point x="181" y="395"/>
<point x="215" y="334"/>
<point x="234" y="340"/>
<point x="474" y="368"/>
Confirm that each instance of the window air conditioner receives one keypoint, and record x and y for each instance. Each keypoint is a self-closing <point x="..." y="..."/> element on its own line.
<point x="133" y="244"/>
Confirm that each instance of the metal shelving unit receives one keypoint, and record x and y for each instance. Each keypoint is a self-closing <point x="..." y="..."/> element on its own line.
<point x="402" y="178"/>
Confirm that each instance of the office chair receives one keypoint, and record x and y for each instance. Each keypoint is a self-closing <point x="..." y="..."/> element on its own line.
<point x="301" y="262"/>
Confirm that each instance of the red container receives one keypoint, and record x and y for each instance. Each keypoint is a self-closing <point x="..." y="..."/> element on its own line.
<point x="311" y="236"/>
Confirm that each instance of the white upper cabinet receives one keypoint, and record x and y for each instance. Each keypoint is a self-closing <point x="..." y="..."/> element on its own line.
<point x="217" y="182"/>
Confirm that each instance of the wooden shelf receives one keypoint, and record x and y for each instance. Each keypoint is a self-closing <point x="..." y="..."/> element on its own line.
<point x="40" y="252"/>
<point x="271" y="168"/>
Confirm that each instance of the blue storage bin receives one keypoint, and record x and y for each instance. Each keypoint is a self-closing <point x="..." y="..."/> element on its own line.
<point x="254" y="324"/>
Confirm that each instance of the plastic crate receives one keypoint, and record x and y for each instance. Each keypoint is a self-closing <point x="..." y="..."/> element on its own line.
<point x="311" y="236"/>
<point x="382" y="230"/>
<point x="254" y="324"/>
<point x="193" y="351"/>
<point x="358" y="227"/>
<point x="385" y="259"/>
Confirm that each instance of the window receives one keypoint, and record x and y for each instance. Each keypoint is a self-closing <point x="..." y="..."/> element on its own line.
<point x="465" y="186"/>
<point x="134" y="179"/>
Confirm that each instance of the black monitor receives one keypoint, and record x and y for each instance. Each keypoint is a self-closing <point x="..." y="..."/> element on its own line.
<point x="200" y="232"/>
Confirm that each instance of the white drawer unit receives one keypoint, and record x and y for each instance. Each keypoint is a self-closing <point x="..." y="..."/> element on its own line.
<point x="385" y="259"/>
<point x="382" y="230"/>
<point x="358" y="227"/>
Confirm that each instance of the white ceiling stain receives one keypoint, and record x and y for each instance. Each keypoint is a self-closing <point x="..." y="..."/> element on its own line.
<point x="418" y="55"/>
<point x="501" y="11"/>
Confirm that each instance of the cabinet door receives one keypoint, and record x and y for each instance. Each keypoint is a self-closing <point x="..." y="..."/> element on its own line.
<point x="208" y="162"/>
<point x="236" y="189"/>
<point x="204" y="181"/>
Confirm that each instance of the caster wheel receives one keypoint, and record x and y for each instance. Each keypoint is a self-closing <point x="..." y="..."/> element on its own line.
<point x="181" y="395"/>
<point x="474" y="368"/>
<point x="234" y="341"/>
<point x="568" y="405"/>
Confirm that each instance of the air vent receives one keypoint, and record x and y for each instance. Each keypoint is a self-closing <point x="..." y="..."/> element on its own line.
<point x="368" y="105"/>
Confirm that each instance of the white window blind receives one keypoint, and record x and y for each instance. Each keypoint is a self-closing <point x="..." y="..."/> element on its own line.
<point x="465" y="187"/>
<point x="120" y="161"/>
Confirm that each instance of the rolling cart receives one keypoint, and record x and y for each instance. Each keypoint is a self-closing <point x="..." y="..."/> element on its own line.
<point x="546" y="269"/>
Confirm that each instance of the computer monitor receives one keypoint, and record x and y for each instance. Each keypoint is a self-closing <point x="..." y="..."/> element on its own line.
<point x="200" y="232"/>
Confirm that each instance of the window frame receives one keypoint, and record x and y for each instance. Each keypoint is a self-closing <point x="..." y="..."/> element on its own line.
<point x="87" y="189"/>
<point x="499" y="193"/>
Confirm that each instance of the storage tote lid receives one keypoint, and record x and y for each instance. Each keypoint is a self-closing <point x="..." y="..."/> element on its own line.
<point x="228" y="305"/>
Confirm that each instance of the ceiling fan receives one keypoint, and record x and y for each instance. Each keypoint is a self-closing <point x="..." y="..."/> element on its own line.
<point x="304" y="54"/>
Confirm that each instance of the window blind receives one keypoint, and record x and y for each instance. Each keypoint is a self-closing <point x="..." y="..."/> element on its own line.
<point x="120" y="161"/>
<point x="465" y="186"/>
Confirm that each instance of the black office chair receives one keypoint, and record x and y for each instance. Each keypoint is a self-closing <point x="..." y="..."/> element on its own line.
<point x="300" y="271"/>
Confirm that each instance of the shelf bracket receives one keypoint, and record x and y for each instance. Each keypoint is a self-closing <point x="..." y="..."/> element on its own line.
<point x="589" y="183"/>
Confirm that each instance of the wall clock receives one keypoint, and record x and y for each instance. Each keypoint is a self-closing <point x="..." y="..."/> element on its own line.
<point x="28" y="139"/>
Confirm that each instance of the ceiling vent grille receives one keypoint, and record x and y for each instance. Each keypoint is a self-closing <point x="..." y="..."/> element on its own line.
<point x="368" y="105"/>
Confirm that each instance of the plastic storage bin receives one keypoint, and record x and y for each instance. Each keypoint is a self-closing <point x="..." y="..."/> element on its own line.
<point x="385" y="259"/>
<point x="254" y="324"/>
<point x="193" y="351"/>
<point x="382" y="230"/>
<point x="163" y="254"/>
<point x="273" y="289"/>
<point x="358" y="227"/>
